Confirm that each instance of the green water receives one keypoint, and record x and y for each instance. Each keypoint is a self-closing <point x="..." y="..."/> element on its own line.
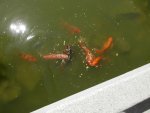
<point x="26" y="86"/>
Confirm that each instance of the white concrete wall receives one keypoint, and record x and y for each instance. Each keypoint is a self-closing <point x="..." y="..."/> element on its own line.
<point x="148" y="111"/>
<point x="112" y="96"/>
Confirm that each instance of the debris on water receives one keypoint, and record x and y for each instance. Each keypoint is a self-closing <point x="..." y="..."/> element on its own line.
<point x="97" y="66"/>
<point x="118" y="23"/>
<point x="117" y="54"/>
<point x="75" y="36"/>
<point x="4" y="32"/>
<point x="84" y="14"/>
<point x="54" y="49"/>
<point x="11" y="65"/>
<point x="5" y="18"/>
<point x="87" y="67"/>
<point x="63" y="62"/>
<point x="75" y="15"/>
<point x="57" y="44"/>
<point x="64" y="43"/>
<point x="80" y="75"/>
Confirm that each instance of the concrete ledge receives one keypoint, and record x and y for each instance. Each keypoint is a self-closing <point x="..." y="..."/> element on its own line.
<point x="112" y="96"/>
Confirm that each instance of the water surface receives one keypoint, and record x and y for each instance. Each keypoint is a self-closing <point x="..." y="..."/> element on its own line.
<point x="35" y="27"/>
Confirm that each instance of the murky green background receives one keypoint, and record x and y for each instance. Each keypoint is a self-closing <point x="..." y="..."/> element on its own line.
<point x="27" y="86"/>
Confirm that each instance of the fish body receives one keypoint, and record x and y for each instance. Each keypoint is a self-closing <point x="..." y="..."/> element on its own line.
<point x="66" y="55"/>
<point x="95" y="61"/>
<point x="55" y="56"/>
<point x="90" y="58"/>
<point x="106" y="45"/>
<point x="28" y="57"/>
<point x="71" y="28"/>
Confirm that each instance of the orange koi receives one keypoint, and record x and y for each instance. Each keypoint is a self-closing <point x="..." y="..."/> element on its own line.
<point x="95" y="61"/>
<point x="28" y="57"/>
<point x="90" y="58"/>
<point x="106" y="46"/>
<point x="71" y="28"/>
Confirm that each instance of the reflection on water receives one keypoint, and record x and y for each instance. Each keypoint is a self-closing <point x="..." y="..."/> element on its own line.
<point x="30" y="37"/>
<point x="36" y="28"/>
<point x="18" y="27"/>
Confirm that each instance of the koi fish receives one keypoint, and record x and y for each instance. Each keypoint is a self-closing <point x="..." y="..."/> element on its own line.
<point x="95" y="61"/>
<point x="71" y="28"/>
<point x="106" y="46"/>
<point x="55" y="56"/>
<point x="66" y="55"/>
<point x="90" y="58"/>
<point x="28" y="57"/>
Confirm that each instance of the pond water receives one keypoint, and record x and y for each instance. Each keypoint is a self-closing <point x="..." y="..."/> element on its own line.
<point x="37" y="28"/>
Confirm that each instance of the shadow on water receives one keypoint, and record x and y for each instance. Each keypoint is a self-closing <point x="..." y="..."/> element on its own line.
<point x="2" y="72"/>
<point x="49" y="83"/>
